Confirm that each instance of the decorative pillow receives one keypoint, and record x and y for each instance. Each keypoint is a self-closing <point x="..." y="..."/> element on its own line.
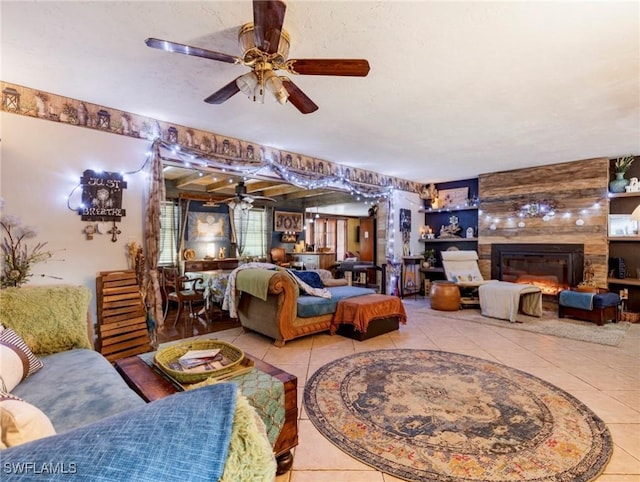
<point x="330" y="283"/>
<point x="49" y="319"/>
<point x="17" y="362"/>
<point x="324" y="274"/>
<point x="21" y="422"/>
<point x="463" y="277"/>
<point x="310" y="277"/>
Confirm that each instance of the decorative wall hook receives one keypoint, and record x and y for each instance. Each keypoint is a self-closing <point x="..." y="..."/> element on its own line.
<point x="114" y="233"/>
<point x="89" y="230"/>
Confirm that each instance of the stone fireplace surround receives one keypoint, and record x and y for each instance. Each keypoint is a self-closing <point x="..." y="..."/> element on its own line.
<point x="552" y="267"/>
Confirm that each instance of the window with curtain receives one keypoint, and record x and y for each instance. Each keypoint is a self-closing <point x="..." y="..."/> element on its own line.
<point x="169" y="222"/>
<point x="255" y="244"/>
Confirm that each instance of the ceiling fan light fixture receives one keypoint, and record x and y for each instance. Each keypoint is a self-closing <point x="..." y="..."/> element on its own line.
<point x="258" y="93"/>
<point x="274" y="85"/>
<point x="246" y="40"/>
<point x="247" y="83"/>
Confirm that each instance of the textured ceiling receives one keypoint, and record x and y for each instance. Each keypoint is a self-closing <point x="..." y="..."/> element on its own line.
<point x="456" y="89"/>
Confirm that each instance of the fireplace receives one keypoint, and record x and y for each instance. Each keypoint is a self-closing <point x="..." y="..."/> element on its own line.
<point x="552" y="267"/>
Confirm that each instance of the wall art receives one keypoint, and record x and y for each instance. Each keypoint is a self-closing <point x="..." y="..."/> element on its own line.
<point x="285" y="221"/>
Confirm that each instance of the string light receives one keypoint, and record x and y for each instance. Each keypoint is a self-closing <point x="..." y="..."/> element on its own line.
<point x="148" y="157"/>
<point x="306" y="180"/>
<point x="554" y="215"/>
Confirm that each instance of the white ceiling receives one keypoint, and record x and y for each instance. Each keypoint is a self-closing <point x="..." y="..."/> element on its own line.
<point x="456" y="89"/>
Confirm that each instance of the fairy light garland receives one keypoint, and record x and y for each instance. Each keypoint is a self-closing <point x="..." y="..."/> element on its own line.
<point x="193" y="158"/>
<point x="557" y="216"/>
<point x="148" y="154"/>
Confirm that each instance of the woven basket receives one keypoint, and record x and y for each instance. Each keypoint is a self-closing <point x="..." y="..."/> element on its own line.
<point x="170" y="354"/>
<point x="630" y="317"/>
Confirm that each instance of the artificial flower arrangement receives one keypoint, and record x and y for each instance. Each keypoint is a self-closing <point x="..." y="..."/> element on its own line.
<point x="623" y="164"/>
<point x="17" y="257"/>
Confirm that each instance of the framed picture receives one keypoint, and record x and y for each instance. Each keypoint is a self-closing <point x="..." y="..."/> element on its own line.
<point x="622" y="225"/>
<point x="207" y="227"/>
<point x="289" y="238"/>
<point x="453" y="197"/>
<point x="284" y="221"/>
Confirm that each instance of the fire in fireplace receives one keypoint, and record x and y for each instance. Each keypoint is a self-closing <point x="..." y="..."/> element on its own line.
<point x="552" y="267"/>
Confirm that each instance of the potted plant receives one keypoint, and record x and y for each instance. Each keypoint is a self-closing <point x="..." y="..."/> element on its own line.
<point x="621" y="165"/>
<point x="430" y="258"/>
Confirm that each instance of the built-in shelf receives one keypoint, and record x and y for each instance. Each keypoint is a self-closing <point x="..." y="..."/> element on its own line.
<point x="624" y="194"/>
<point x="624" y="281"/>
<point x="432" y="270"/>
<point x="447" y="240"/>
<point x="448" y="209"/>
<point x="624" y="238"/>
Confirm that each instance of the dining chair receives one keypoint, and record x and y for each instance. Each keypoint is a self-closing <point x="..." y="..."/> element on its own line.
<point x="279" y="257"/>
<point x="183" y="291"/>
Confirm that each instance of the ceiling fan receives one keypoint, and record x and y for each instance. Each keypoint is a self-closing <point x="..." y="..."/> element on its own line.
<point x="265" y="47"/>
<point x="242" y="200"/>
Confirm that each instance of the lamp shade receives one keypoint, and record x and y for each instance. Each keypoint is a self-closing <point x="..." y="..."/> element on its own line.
<point x="635" y="215"/>
<point x="247" y="83"/>
<point x="274" y="85"/>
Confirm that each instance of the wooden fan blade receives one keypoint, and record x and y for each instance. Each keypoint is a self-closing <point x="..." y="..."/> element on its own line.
<point x="188" y="50"/>
<point x="224" y="94"/>
<point x="346" y="67"/>
<point x="298" y="98"/>
<point x="268" y="17"/>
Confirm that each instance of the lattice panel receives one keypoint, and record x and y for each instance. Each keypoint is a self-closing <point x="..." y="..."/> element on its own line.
<point x="122" y="320"/>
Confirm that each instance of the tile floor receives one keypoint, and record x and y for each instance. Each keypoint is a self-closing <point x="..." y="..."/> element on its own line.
<point x="606" y="379"/>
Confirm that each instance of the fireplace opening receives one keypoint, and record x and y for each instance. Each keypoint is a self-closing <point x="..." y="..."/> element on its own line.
<point x="551" y="267"/>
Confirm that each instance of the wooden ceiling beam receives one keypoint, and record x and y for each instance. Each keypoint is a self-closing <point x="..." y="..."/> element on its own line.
<point x="185" y="181"/>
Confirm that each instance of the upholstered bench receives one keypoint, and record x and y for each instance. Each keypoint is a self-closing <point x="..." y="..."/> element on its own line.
<point x="596" y="307"/>
<point x="363" y="317"/>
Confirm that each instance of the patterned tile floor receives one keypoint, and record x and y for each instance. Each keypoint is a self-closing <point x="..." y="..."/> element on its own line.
<point x="607" y="379"/>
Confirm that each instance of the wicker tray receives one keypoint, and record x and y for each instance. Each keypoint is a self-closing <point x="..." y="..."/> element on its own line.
<point x="630" y="316"/>
<point x="164" y="357"/>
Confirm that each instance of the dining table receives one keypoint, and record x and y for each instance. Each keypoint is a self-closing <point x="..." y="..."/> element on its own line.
<point x="215" y="284"/>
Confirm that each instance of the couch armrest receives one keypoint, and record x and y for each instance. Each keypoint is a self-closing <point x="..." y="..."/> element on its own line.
<point x="274" y="316"/>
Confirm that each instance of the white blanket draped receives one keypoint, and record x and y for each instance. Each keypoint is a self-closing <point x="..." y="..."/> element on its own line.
<point x="502" y="300"/>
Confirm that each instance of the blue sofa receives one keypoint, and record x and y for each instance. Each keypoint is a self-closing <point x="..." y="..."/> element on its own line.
<point x="271" y="304"/>
<point x="104" y="430"/>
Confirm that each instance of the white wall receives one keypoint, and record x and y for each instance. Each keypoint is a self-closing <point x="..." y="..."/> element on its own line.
<point x="406" y="200"/>
<point x="41" y="162"/>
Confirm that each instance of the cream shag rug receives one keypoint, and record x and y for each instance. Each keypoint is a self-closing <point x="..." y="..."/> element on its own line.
<point x="610" y="334"/>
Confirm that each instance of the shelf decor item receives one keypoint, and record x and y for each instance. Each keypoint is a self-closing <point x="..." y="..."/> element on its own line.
<point x="621" y="165"/>
<point x="622" y="225"/>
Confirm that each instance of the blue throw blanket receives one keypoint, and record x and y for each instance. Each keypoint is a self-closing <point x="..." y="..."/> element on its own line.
<point x="182" y="437"/>
<point x="576" y="299"/>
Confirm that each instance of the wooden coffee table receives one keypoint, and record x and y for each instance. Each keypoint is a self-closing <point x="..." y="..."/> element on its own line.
<point x="151" y="385"/>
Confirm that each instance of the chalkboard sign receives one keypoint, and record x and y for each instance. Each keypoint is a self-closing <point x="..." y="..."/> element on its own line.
<point x="102" y="196"/>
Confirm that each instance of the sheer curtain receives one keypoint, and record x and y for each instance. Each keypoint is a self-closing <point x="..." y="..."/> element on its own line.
<point x="239" y="228"/>
<point x="155" y="198"/>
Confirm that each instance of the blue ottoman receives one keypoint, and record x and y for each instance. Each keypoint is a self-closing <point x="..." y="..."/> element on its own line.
<point x="596" y="307"/>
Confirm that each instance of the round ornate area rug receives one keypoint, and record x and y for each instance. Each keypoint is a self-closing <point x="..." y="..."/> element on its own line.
<point x="425" y="415"/>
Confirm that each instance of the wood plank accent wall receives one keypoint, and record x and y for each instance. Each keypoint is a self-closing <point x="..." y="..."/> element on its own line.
<point x="575" y="186"/>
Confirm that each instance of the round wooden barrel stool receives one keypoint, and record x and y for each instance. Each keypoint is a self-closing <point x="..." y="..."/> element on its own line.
<point x="445" y="296"/>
